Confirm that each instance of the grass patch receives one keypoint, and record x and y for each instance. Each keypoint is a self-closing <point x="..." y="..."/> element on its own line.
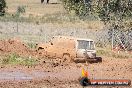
<point x="109" y="53"/>
<point x="47" y="18"/>
<point x="59" y="19"/>
<point x="15" y="59"/>
<point x="31" y="45"/>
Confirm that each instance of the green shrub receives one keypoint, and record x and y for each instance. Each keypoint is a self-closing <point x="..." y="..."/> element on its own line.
<point x="78" y="7"/>
<point x="2" y="7"/>
<point x="106" y="10"/>
<point x="5" y="61"/>
<point x="15" y="59"/>
<point x="20" y="10"/>
<point x="12" y="58"/>
<point x="31" y="45"/>
<point x="29" y="62"/>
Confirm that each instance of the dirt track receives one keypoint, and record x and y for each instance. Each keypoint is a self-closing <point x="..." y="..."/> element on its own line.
<point x="49" y="74"/>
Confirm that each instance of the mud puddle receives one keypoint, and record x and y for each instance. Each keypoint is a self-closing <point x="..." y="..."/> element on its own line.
<point x="21" y="75"/>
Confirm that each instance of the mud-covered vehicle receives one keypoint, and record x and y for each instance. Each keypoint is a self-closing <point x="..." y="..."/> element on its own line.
<point x="69" y="48"/>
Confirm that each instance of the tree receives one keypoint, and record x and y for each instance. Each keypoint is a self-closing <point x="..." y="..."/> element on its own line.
<point x="114" y="10"/>
<point x="105" y="9"/>
<point x="2" y="7"/>
<point x="116" y="14"/>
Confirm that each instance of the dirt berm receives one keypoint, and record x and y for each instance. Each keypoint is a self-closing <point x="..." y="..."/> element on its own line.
<point x="14" y="46"/>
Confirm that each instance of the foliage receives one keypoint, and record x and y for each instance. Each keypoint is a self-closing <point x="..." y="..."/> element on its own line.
<point x="116" y="14"/>
<point x="15" y="59"/>
<point x="2" y="7"/>
<point x="106" y="10"/>
<point x="31" y="45"/>
<point x="78" y="7"/>
<point x="20" y="10"/>
<point x="114" y="10"/>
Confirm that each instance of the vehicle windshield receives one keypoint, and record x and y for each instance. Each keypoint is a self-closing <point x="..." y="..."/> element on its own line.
<point x="88" y="45"/>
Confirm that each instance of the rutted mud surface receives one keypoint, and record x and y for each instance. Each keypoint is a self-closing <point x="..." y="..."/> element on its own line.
<point x="65" y="75"/>
<point x="49" y="74"/>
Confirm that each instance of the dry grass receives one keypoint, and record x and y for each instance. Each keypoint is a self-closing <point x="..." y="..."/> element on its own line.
<point x="48" y="13"/>
<point x="115" y="54"/>
<point x="34" y="7"/>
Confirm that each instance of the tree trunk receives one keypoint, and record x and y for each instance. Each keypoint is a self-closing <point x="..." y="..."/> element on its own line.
<point x="42" y="1"/>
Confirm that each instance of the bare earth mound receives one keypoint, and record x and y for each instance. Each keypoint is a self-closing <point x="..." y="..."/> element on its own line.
<point x="13" y="46"/>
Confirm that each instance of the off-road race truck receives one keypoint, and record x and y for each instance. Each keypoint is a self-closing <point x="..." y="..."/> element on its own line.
<point x="69" y="48"/>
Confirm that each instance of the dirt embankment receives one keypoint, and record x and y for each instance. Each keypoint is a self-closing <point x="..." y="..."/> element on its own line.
<point x="18" y="47"/>
<point x="12" y="46"/>
<point x="15" y="46"/>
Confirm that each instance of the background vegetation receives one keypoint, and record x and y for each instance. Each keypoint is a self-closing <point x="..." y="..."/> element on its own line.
<point x="2" y="7"/>
<point x="115" y="14"/>
<point x="14" y="59"/>
<point x="77" y="15"/>
<point x="106" y="10"/>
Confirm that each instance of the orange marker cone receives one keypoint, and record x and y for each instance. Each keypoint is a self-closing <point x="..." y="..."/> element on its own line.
<point x="84" y="73"/>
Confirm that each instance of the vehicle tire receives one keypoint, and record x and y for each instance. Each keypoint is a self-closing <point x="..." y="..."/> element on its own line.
<point x="66" y="58"/>
<point x="99" y="59"/>
<point x="40" y="48"/>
